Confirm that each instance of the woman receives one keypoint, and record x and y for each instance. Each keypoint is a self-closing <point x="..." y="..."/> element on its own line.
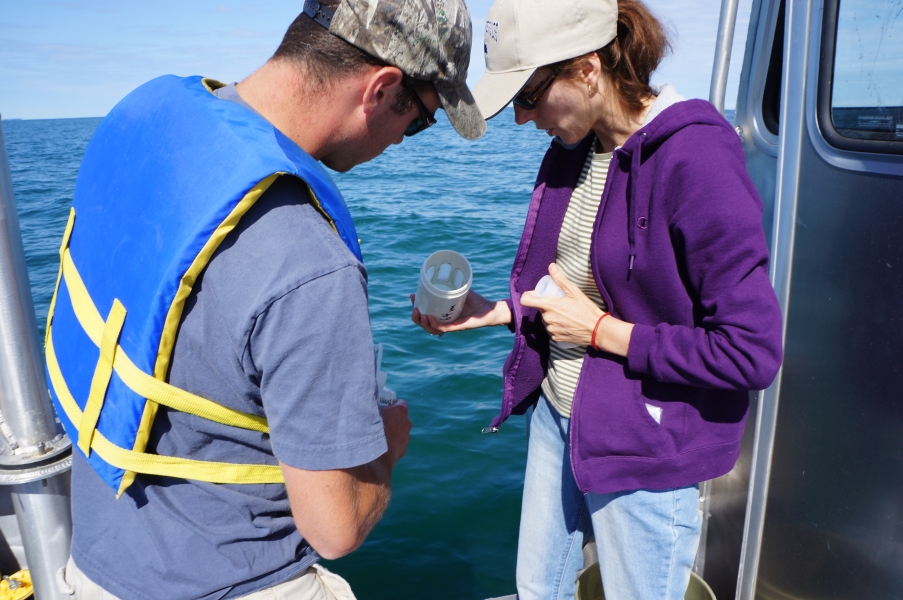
<point x="645" y="217"/>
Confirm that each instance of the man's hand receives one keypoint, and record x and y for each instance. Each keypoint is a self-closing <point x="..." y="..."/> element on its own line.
<point x="336" y="510"/>
<point x="477" y="312"/>
<point x="398" y="430"/>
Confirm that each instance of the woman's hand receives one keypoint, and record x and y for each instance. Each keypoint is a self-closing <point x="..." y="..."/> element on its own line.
<point x="571" y="318"/>
<point x="477" y="312"/>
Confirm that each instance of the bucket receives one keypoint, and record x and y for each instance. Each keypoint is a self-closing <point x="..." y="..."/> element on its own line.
<point x="445" y="279"/>
<point x="589" y="586"/>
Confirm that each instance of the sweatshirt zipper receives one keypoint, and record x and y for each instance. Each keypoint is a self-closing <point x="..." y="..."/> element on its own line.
<point x="606" y="192"/>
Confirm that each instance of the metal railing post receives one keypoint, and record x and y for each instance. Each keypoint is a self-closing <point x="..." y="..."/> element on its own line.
<point x="791" y="141"/>
<point x="36" y="457"/>
<point x="727" y="23"/>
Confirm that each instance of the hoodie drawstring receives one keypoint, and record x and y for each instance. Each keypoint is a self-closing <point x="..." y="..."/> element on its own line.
<point x="632" y="221"/>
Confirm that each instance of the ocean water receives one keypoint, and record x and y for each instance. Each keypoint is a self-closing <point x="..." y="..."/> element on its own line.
<point x="451" y="529"/>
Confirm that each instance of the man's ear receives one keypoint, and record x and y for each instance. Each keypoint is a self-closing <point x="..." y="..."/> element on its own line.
<point x="382" y="87"/>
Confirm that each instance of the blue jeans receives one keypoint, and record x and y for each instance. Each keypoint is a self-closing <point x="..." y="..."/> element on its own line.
<point x="646" y="539"/>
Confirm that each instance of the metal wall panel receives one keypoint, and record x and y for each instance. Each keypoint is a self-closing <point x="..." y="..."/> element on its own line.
<point x="834" y="522"/>
<point x="834" y="518"/>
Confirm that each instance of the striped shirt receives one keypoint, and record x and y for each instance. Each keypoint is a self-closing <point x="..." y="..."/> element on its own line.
<point x="573" y="259"/>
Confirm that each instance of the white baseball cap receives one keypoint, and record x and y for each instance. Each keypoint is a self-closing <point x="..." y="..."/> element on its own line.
<point x="523" y="35"/>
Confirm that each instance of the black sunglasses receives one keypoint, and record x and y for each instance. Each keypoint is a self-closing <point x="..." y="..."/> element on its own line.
<point x="425" y="120"/>
<point x="530" y="99"/>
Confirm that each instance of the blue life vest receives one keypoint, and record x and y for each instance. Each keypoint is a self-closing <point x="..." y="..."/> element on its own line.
<point x="165" y="178"/>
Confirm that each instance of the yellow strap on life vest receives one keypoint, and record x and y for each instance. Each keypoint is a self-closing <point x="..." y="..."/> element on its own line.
<point x="102" y="375"/>
<point x="174" y="314"/>
<point x="154" y="464"/>
<point x="67" y="235"/>
<point x="137" y="380"/>
<point x="105" y="335"/>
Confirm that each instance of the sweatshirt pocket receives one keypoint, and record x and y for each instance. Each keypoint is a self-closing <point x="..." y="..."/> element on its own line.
<point x="611" y="418"/>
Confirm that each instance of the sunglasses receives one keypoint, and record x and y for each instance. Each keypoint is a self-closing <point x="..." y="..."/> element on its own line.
<point x="425" y="120"/>
<point x="530" y="99"/>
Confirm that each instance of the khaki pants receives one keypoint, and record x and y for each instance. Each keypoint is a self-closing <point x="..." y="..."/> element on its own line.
<point x="314" y="583"/>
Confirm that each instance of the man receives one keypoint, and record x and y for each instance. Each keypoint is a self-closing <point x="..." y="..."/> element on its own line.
<point x="209" y="336"/>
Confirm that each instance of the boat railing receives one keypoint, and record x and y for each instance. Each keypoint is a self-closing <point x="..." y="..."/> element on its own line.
<point x="35" y="454"/>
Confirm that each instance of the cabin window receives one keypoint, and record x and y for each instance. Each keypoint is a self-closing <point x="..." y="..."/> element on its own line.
<point x="861" y="87"/>
<point x="771" y="95"/>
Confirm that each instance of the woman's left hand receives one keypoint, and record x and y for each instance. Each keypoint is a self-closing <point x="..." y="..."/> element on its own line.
<point x="571" y="318"/>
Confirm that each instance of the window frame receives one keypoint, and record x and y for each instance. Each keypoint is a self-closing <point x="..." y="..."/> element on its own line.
<point x="750" y="102"/>
<point x="830" y="13"/>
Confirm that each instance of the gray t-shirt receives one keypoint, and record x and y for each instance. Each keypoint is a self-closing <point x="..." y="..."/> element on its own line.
<point x="277" y="325"/>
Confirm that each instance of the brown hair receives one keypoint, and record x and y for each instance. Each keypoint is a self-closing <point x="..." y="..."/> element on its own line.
<point x="327" y="57"/>
<point x="629" y="60"/>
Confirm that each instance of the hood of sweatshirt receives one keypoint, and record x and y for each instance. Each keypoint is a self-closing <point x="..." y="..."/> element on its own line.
<point x="645" y="142"/>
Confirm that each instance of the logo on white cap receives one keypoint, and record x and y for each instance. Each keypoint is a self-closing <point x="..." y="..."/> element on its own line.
<point x="492" y="32"/>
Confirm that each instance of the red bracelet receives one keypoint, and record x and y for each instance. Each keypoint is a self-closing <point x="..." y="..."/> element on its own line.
<point x="595" y="329"/>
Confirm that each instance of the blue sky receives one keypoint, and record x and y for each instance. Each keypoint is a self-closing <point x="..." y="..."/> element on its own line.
<point x="869" y="54"/>
<point x="78" y="58"/>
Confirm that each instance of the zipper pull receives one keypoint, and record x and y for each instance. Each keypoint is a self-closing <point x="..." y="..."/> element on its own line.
<point x="490" y="430"/>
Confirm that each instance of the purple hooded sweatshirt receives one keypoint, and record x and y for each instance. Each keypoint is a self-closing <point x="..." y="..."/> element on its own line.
<point x="678" y="249"/>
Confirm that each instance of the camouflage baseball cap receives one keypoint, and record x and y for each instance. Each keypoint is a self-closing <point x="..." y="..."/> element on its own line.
<point x="426" y="39"/>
